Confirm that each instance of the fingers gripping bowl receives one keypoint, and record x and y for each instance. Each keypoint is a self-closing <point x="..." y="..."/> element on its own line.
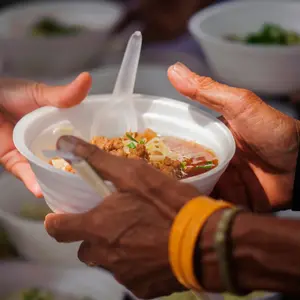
<point x="67" y="192"/>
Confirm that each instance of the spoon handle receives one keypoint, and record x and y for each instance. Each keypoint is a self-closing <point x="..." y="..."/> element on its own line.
<point x="127" y="74"/>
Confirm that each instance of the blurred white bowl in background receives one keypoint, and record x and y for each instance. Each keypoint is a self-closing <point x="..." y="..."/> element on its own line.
<point x="265" y="69"/>
<point x="21" y="54"/>
<point x="30" y="237"/>
<point x="78" y="282"/>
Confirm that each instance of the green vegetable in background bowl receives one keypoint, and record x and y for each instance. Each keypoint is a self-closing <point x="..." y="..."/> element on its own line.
<point x="31" y="294"/>
<point x="183" y="296"/>
<point x="48" y="27"/>
<point x="193" y="296"/>
<point x="269" y="34"/>
<point x="252" y="296"/>
<point x="40" y="294"/>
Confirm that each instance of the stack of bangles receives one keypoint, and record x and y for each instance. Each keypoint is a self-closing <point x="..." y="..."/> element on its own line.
<point x="184" y="238"/>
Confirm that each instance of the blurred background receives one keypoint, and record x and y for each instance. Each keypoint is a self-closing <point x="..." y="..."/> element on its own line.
<point x="253" y="44"/>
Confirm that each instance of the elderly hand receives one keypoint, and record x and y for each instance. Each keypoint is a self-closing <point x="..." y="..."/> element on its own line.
<point x="261" y="175"/>
<point x="162" y="20"/>
<point x="19" y="97"/>
<point x="128" y="232"/>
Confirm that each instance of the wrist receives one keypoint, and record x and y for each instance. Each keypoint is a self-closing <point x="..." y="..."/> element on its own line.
<point x="217" y="264"/>
<point x="265" y="250"/>
<point x="205" y="259"/>
<point x="184" y="235"/>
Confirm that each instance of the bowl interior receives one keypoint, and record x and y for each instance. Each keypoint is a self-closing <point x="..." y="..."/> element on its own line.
<point x="34" y="132"/>
<point x="244" y="17"/>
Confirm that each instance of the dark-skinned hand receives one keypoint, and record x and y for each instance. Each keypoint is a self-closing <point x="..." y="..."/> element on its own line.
<point x="130" y="228"/>
<point x="261" y="174"/>
<point x="128" y="232"/>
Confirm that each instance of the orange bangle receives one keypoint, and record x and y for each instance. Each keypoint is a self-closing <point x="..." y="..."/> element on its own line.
<point x="184" y="234"/>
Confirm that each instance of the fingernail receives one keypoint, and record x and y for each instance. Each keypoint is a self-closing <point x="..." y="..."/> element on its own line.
<point x="181" y="70"/>
<point x="50" y="223"/>
<point x="67" y="143"/>
<point x="37" y="191"/>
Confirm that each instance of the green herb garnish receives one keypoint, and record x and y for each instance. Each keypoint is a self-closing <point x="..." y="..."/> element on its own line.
<point x="207" y="166"/>
<point x="142" y="142"/>
<point x="132" y="145"/>
<point x="183" y="165"/>
<point x="131" y="138"/>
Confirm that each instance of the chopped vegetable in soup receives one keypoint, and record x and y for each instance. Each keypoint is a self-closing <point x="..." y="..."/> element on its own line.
<point x="173" y="156"/>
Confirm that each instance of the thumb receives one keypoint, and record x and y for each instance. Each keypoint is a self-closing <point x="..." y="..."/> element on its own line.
<point x="67" y="228"/>
<point x="231" y="102"/>
<point x="20" y="97"/>
<point x="63" y="96"/>
<point x="249" y="118"/>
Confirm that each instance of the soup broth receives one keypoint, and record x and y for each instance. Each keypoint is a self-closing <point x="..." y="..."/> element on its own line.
<point x="173" y="156"/>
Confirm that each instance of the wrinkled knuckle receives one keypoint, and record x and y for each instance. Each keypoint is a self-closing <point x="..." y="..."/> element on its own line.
<point x="247" y="101"/>
<point x="246" y="94"/>
<point x="114" y="259"/>
<point x="134" y="168"/>
<point x="36" y="91"/>
<point x="204" y="82"/>
<point x="156" y="187"/>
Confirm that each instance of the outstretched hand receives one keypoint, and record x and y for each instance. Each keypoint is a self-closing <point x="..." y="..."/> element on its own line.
<point x="261" y="174"/>
<point x="19" y="97"/>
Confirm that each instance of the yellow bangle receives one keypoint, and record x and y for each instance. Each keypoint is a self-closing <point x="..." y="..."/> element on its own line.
<point x="183" y="236"/>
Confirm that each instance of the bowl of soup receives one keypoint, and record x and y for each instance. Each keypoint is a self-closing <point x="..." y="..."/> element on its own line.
<point x="177" y="138"/>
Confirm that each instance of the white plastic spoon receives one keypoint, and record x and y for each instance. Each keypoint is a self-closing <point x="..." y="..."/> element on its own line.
<point x="121" y="106"/>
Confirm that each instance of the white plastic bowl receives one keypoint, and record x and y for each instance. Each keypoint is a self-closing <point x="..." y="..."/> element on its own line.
<point x="265" y="69"/>
<point x="77" y="282"/>
<point x="23" y="55"/>
<point x="65" y="192"/>
<point x="30" y="237"/>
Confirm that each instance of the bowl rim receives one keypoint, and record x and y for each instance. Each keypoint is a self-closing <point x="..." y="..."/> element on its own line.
<point x="194" y="26"/>
<point x="19" y="133"/>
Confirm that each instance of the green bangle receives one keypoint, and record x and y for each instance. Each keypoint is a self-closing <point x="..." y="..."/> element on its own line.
<point x="221" y="248"/>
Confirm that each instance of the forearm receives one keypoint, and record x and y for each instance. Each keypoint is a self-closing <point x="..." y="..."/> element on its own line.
<point x="265" y="254"/>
